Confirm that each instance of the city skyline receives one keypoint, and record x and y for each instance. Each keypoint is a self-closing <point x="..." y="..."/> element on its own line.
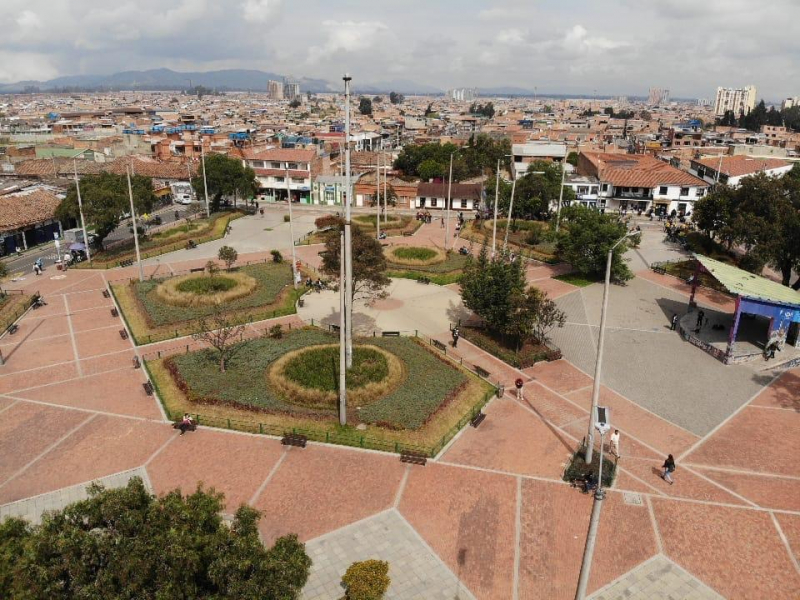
<point x="582" y="50"/>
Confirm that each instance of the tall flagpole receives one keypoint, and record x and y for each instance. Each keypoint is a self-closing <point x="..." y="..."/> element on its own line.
<point x="496" y="194"/>
<point x="342" y="338"/>
<point x="291" y="228"/>
<point x="80" y="210"/>
<point x="205" y="183"/>
<point x="348" y="236"/>
<point x="135" y="227"/>
<point x="510" y="209"/>
<point x="385" y="190"/>
<point x="378" y="196"/>
<point x="449" y="188"/>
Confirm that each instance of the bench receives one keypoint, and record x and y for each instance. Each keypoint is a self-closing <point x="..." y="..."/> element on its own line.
<point x="408" y="233"/>
<point x="136" y="362"/>
<point x="126" y="263"/>
<point x="114" y="312"/>
<point x="390" y="334"/>
<point x="148" y="388"/>
<point x="12" y="329"/>
<point x="414" y="458"/>
<point x="106" y="294"/>
<point x="660" y="270"/>
<point x="439" y="345"/>
<point x="477" y="419"/>
<point x="334" y="328"/>
<point x="294" y="439"/>
<point x="481" y="371"/>
<point x="197" y="270"/>
<point x="123" y="334"/>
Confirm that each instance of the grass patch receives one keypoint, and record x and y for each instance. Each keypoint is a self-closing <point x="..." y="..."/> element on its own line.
<point x="575" y="279"/>
<point x="480" y="232"/>
<point x="206" y="285"/>
<point x="525" y="357"/>
<point x="387" y="221"/>
<point x="415" y="255"/>
<point x="318" y="368"/>
<point x="12" y="307"/>
<point x="449" y="416"/>
<point x="151" y="319"/>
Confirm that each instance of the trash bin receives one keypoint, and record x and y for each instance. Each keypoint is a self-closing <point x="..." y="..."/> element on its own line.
<point x="501" y="391"/>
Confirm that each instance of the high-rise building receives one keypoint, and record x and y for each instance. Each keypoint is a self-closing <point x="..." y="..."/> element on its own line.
<point x="739" y="100"/>
<point x="658" y="97"/>
<point x="463" y="94"/>
<point x="291" y="89"/>
<point x="275" y="89"/>
<point x="790" y="102"/>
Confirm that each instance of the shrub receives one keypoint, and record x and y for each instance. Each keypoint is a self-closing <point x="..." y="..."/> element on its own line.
<point x="228" y="255"/>
<point x="275" y="332"/>
<point x="286" y="218"/>
<point x="366" y="580"/>
<point x="327" y="221"/>
<point x="200" y="290"/>
<point x="578" y="469"/>
<point x="410" y="252"/>
<point x="206" y="285"/>
<point x="277" y="257"/>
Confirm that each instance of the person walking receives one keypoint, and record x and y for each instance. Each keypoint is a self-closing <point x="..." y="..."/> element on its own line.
<point x="674" y="322"/>
<point x="614" y="441"/>
<point x="518" y="384"/>
<point x="700" y="316"/>
<point x="669" y="469"/>
<point x="456" y="335"/>
<point x="37" y="271"/>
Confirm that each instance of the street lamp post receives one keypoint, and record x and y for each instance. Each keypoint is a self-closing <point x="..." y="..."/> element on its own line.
<point x="80" y="210"/>
<point x="378" y="197"/>
<point x="561" y="191"/>
<point x="135" y="229"/>
<point x="295" y="272"/>
<point x="496" y="194"/>
<point x="600" y="343"/>
<point x="449" y="189"/>
<point x="588" y="551"/>
<point x="205" y="183"/>
<point x="347" y="254"/>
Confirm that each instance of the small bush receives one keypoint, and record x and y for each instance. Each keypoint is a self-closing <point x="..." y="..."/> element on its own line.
<point x="206" y="285"/>
<point x="275" y="332"/>
<point x="577" y="468"/>
<point x="326" y="221"/>
<point x="277" y="257"/>
<point x="422" y="254"/>
<point x="366" y="580"/>
<point x="286" y="218"/>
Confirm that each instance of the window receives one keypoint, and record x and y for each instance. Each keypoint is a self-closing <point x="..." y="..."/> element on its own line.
<point x="582" y="189"/>
<point x="275" y="165"/>
<point x="298" y="180"/>
<point x="662" y="191"/>
<point x="701" y="192"/>
<point x="684" y="191"/>
<point x="293" y="166"/>
<point x="463" y="204"/>
<point x="433" y="202"/>
<point x="279" y="179"/>
<point x="329" y="196"/>
<point x="605" y="187"/>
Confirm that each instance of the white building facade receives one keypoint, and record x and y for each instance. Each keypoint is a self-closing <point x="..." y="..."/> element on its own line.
<point x="739" y="100"/>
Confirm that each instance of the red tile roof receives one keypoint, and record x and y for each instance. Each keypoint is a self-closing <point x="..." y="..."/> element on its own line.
<point x="151" y="168"/>
<point x="736" y="166"/>
<point x="636" y="170"/>
<point x="27" y="208"/>
<point x="467" y="191"/>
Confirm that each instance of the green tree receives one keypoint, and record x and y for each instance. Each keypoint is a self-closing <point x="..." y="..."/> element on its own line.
<point x="478" y="157"/>
<point x="377" y="99"/>
<point x="728" y="119"/>
<point x="105" y="200"/>
<point x="396" y="98"/>
<point x="584" y="241"/>
<point x="365" y="106"/>
<point x="429" y="112"/>
<point x="369" y="263"/>
<point x="547" y="108"/>
<point x="535" y="192"/>
<point x="228" y="255"/>
<point x="572" y="158"/>
<point x="127" y="543"/>
<point x="533" y="316"/>
<point x="366" y="580"/>
<point x="791" y="118"/>
<point x="226" y="177"/>
<point x="295" y="103"/>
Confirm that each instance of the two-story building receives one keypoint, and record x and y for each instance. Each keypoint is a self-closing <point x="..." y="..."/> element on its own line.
<point x="585" y="187"/>
<point x="274" y="165"/>
<point x="638" y="182"/>
<point x="730" y="170"/>
<point x="525" y="154"/>
<point x="404" y="193"/>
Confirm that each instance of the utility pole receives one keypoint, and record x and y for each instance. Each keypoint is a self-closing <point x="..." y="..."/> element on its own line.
<point x="295" y="272"/>
<point x="385" y="190"/>
<point x="205" y="183"/>
<point x="598" y="365"/>
<point x="342" y="340"/>
<point x="496" y="195"/>
<point x="588" y="551"/>
<point x="80" y="210"/>
<point x="378" y="196"/>
<point x="135" y="228"/>
<point x="348" y="235"/>
<point x="561" y="191"/>
<point x="510" y="210"/>
<point x="449" y="188"/>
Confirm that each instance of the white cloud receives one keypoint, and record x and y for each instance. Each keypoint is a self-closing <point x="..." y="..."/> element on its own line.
<point x="18" y="66"/>
<point x="346" y="36"/>
<point x="512" y="36"/>
<point x="29" y="20"/>
<point x="260" y="11"/>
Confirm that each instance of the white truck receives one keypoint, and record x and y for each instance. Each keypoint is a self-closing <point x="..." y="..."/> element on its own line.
<point x="182" y="192"/>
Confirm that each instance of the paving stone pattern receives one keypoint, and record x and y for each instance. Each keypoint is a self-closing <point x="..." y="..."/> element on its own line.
<point x="658" y="579"/>
<point x="416" y="573"/>
<point x="33" y="508"/>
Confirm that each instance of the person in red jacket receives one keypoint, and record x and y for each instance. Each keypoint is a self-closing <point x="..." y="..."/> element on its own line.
<point x="518" y="384"/>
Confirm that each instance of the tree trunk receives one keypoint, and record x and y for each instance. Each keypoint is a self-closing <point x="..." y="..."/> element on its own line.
<point x="222" y="364"/>
<point x="786" y="274"/>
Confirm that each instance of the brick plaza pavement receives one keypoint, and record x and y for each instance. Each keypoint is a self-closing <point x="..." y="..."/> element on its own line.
<point x="491" y="511"/>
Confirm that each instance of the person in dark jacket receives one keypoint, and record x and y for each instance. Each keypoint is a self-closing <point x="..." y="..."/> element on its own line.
<point x="669" y="468"/>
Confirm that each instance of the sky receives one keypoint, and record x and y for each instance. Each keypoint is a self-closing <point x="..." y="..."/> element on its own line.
<point x="613" y="47"/>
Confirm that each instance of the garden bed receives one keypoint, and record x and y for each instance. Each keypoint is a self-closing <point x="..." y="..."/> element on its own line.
<point x="151" y="318"/>
<point x="433" y="399"/>
<point x="527" y="356"/>
<point x="481" y="232"/>
<point x="577" y="469"/>
<point x="170" y="240"/>
<point x="443" y="272"/>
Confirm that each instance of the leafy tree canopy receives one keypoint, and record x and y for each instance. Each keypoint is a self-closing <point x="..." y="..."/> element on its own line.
<point x="369" y="263"/>
<point x="126" y="543"/>
<point x="535" y="192"/>
<point x="478" y="156"/>
<point x="484" y="110"/>
<point x="226" y="176"/>
<point x="365" y="106"/>
<point x="105" y="200"/>
<point x="396" y="98"/>
<point x="584" y="241"/>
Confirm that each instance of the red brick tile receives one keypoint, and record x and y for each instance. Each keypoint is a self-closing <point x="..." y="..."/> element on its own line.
<point x="319" y="489"/>
<point x="468" y="518"/>
<point x="737" y="552"/>
<point x="215" y="458"/>
<point x="687" y="484"/>
<point x="94" y="318"/>
<point x="89" y="300"/>
<point x="767" y="492"/>
<point x="559" y="375"/>
<point x="103" y="341"/>
<point x="34" y="328"/>
<point x="104" y="446"/>
<point x="784" y="392"/>
<point x="32" y="354"/>
<point x="550" y="405"/>
<point x="512" y="439"/>
<point x="118" y="392"/>
<point x="18" y="381"/>
<point x="26" y="430"/>
<point x="790" y="525"/>
<point x="108" y="362"/>
<point x="554" y="288"/>
<point x="756" y="439"/>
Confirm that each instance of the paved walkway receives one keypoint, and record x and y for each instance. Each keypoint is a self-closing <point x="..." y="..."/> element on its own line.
<point x="492" y="509"/>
